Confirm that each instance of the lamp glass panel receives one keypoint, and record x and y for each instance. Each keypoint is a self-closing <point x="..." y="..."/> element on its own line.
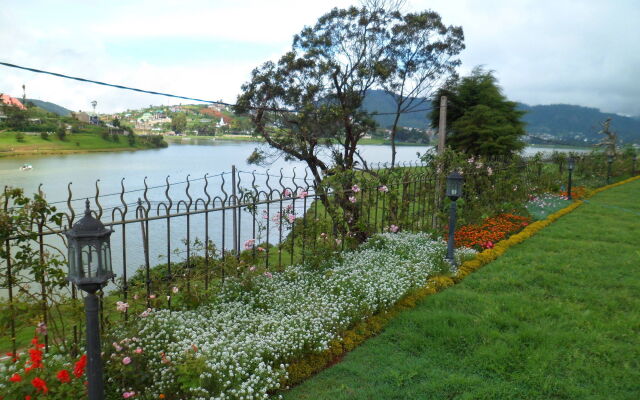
<point x="106" y="259"/>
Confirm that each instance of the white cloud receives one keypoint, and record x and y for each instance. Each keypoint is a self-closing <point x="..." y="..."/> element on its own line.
<point x="579" y="52"/>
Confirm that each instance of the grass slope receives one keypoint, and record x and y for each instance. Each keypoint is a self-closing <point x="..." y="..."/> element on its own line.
<point x="77" y="142"/>
<point x="555" y="318"/>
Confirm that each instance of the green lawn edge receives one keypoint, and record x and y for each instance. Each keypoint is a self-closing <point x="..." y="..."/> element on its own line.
<point x="552" y="318"/>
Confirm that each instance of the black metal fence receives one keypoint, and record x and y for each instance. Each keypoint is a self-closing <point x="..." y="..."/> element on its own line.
<point x="169" y="250"/>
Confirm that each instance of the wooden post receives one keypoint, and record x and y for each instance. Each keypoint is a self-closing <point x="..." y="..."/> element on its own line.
<point x="442" y="126"/>
<point x="442" y="134"/>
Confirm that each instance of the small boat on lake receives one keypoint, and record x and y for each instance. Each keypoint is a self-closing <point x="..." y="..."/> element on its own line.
<point x="26" y="167"/>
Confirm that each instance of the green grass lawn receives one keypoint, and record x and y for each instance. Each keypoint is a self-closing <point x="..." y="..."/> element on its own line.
<point x="77" y="142"/>
<point x="556" y="317"/>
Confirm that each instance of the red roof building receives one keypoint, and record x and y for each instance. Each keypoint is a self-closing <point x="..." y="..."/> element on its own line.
<point x="11" y="101"/>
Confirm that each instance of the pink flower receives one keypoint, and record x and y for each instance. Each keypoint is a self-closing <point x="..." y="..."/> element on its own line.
<point x="268" y="274"/>
<point x="117" y="346"/>
<point x="261" y="249"/>
<point x="175" y="289"/>
<point x="138" y="350"/>
<point x="352" y="199"/>
<point x="126" y="395"/>
<point x="303" y="194"/>
<point x="394" y="228"/>
<point x="488" y="245"/>
<point x="41" y="329"/>
<point x="355" y="188"/>
<point x="248" y="245"/>
<point x="146" y="312"/>
<point x="291" y="218"/>
<point x="383" y="189"/>
<point x="122" y="306"/>
<point x="152" y="296"/>
<point x="135" y="297"/>
<point x="265" y="214"/>
<point x="252" y="268"/>
<point x="126" y="361"/>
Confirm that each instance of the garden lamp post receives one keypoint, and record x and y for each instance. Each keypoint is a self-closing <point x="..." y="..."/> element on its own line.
<point x="570" y="167"/>
<point x="454" y="192"/>
<point x="90" y="269"/>
<point x="609" y="162"/>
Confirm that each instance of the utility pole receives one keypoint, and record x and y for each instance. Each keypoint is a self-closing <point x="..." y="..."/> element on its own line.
<point x="442" y="126"/>
<point x="442" y="133"/>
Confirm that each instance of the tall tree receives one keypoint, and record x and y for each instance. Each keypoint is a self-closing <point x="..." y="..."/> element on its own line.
<point x="423" y="54"/>
<point x="179" y="122"/>
<point x="308" y="105"/>
<point x="480" y="119"/>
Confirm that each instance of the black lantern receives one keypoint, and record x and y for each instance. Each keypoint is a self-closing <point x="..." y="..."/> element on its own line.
<point x="609" y="162"/>
<point x="89" y="270"/>
<point x="454" y="185"/>
<point x="454" y="192"/>
<point x="570" y="166"/>
<point x="89" y="253"/>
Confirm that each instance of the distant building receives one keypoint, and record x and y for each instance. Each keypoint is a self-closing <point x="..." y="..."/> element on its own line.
<point x="11" y="101"/>
<point x="81" y="116"/>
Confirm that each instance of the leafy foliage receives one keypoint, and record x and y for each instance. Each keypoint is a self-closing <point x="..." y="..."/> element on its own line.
<point x="480" y="119"/>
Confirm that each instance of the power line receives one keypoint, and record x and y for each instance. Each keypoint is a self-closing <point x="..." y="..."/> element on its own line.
<point x="59" y="75"/>
<point x="39" y="71"/>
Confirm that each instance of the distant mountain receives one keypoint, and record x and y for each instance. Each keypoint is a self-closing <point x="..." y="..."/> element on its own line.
<point x="576" y="123"/>
<point x="556" y="123"/>
<point x="51" y="107"/>
<point x="382" y="102"/>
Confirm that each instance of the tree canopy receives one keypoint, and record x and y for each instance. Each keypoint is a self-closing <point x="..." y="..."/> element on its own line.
<point x="308" y="105"/>
<point x="480" y="119"/>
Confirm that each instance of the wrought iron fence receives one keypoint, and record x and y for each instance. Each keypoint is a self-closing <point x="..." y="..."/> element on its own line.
<point x="239" y="221"/>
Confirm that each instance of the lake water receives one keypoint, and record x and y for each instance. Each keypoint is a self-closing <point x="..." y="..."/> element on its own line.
<point x="194" y="158"/>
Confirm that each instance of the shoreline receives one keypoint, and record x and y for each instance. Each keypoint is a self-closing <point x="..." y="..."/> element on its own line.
<point x="48" y="152"/>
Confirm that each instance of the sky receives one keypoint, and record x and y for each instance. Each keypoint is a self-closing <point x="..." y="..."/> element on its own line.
<point x="584" y="52"/>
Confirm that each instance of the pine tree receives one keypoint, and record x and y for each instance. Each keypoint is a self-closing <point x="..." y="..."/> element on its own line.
<point x="480" y="119"/>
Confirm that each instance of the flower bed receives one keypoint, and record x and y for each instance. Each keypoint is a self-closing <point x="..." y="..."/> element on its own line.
<point x="32" y="374"/>
<point x="491" y="231"/>
<point x="539" y="207"/>
<point x="240" y="346"/>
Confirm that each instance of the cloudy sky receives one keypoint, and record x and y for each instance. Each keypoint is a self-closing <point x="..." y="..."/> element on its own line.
<point x="584" y="52"/>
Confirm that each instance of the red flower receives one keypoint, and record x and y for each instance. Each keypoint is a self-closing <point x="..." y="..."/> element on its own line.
<point x="63" y="376"/>
<point x="35" y="355"/>
<point x="15" y="378"/>
<point x="78" y="369"/>
<point x="27" y="397"/>
<point x="40" y="385"/>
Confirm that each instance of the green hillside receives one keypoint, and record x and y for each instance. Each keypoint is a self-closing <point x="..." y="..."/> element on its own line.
<point x="51" y="107"/>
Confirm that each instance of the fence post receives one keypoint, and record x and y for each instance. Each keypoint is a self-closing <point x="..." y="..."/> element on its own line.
<point x="234" y="202"/>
